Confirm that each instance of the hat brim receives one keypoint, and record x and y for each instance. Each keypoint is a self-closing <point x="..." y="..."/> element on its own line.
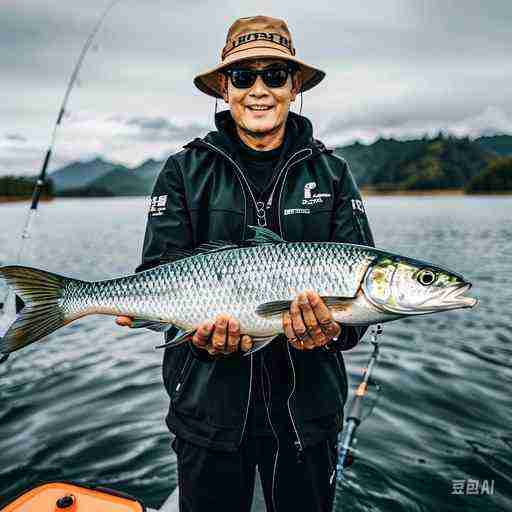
<point x="209" y="82"/>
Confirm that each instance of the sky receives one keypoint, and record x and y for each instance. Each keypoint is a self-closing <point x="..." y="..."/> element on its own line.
<point x="395" y="68"/>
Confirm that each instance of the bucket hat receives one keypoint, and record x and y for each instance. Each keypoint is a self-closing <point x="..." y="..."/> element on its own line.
<point x="252" y="38"/>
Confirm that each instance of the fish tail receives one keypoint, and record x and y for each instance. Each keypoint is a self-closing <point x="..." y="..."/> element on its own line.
<point x="43" y="312"/>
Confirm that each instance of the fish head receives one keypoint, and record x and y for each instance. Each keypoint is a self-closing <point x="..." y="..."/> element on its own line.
<point x="405" y="286"/>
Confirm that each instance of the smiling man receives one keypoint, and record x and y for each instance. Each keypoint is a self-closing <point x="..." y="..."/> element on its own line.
<point x="279" y="409"/>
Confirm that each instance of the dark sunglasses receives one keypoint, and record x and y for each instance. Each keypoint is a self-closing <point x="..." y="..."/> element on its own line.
<point x="243" y="78"/>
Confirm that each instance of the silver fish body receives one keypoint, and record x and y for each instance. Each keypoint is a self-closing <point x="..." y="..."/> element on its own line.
<point x="254" y="283"/>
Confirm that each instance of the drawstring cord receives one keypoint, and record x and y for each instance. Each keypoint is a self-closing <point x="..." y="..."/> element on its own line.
<point x="276" y="457"/>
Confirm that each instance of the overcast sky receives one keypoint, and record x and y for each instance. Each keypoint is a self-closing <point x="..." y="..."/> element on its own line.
<point x="394" y="68"/>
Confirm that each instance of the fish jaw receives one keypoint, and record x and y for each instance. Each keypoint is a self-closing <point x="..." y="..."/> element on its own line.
<point x="456" y="299"/>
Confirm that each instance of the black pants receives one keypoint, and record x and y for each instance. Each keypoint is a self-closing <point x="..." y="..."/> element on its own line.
<point x="217" y="481"/>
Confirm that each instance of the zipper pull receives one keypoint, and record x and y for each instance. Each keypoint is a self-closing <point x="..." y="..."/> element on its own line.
<point x="298" y="447"/>
<point x="261" y="214"/>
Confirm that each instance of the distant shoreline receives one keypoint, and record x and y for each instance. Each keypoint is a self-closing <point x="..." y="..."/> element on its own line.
<point x="368" y="191"/>
<point x="434" y="192"/>
<point x="21" y="199"/>
<point x="364" y="191"/>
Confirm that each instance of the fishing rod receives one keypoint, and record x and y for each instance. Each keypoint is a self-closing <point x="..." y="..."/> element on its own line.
<point x="356" y="412"/>
<point x="16" y="303"/>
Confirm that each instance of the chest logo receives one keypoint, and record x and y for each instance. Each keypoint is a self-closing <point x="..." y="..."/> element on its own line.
<point x="311" y="198"/>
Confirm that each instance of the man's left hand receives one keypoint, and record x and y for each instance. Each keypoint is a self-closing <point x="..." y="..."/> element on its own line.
<point x="309" y="322"/>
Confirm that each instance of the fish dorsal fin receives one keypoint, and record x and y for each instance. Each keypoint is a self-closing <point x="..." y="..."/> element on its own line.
<point x="175" y="253"/>
<point x="258" y="236"/>
<point x="264" y="236"/>
<point x="214" y="246"/>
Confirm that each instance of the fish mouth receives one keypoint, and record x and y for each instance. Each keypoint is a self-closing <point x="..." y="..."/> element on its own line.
<point x="457" y="299"/>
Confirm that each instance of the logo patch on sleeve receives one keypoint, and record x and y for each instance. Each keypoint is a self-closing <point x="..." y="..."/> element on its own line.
<point x="357" y="204"/>
<point x="157" y="205"/>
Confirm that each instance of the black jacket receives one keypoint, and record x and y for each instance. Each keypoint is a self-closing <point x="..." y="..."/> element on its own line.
<point x="203" y="194"/>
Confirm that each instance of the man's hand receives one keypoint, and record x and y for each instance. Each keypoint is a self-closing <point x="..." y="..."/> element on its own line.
<point x="125" y="321"/>
<point x="309" y="322"/>
<point x="221" y="336"/>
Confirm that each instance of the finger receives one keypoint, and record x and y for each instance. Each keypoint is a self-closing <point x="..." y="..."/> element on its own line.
<point x="296" y="343"/>
<point x="202" y="334"/>
<point x="124" y="321"/>
<point x="287" y="326"/>
<point x="312" y="325"/>
<point x="323" y="315"/>
<point x="299" y="328"/>
<point x="246" y="343"/>
<point x="220" y="332"/>
<point x="233" y="338"/>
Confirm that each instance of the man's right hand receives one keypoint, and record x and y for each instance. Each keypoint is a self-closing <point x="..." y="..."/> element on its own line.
<point x="222" y="336"/>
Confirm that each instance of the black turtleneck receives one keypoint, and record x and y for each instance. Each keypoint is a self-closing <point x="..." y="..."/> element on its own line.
<point x="260" y="165"/>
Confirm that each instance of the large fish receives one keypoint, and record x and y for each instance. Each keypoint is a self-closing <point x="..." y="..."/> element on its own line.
<point x="254" y="281"/>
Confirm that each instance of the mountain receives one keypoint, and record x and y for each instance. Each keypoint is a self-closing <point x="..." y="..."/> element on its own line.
<point x="102" y="178"/>
<point x="422" y="164"/>
<point x="444" y="162"/>
<point x="496" y="177"/>
<point x="78" y="175"/>
<point x="148" y="172"/>
<point x="499" y="144"/>
<point x="366" y="160"/>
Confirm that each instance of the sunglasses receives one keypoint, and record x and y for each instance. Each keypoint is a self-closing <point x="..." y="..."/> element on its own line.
<point x="244" y="78"/>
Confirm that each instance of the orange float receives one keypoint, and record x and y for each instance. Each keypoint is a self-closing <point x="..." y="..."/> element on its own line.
<point x="71" y="497"/>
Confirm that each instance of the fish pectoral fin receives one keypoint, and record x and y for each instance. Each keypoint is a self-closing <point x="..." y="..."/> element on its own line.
<point x="278" y="307"/>
<point x="178" y="340"/>
<point x="275" y="308"/>
<point x="258" y="344"/>
<point x="336" y="302"/>
<point x="139" y="323"/>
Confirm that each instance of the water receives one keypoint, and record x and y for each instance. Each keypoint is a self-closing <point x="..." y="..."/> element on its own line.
<point x="89" y="404"/>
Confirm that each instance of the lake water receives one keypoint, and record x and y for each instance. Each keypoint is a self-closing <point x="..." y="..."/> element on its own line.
<point x="88" y="404"/>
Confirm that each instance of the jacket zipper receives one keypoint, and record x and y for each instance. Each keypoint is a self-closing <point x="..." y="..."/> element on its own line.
<point x="286" y="166"/>
<point x="310" y="152"/>
<point x="262" y="222"/>
<point x="260" y="211"/>
<point x="241" y="177"/>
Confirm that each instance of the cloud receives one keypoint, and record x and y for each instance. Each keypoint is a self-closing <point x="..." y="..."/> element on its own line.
<point x="394" y="123"/>
<point x="394" y="68"/>
<point x="163" y="128"/>
<point x="15" y="137"/>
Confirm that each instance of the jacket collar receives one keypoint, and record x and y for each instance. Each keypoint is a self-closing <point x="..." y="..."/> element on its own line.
<point x="299" y="132"/>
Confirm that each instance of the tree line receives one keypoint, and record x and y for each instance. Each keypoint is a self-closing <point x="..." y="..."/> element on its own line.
<point x="22" y="186"/>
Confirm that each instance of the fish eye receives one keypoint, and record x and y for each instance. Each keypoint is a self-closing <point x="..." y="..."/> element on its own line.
<point x="426" y="277"/>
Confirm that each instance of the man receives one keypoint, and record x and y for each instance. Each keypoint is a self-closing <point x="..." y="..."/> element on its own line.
<point x="281" y="408"/>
